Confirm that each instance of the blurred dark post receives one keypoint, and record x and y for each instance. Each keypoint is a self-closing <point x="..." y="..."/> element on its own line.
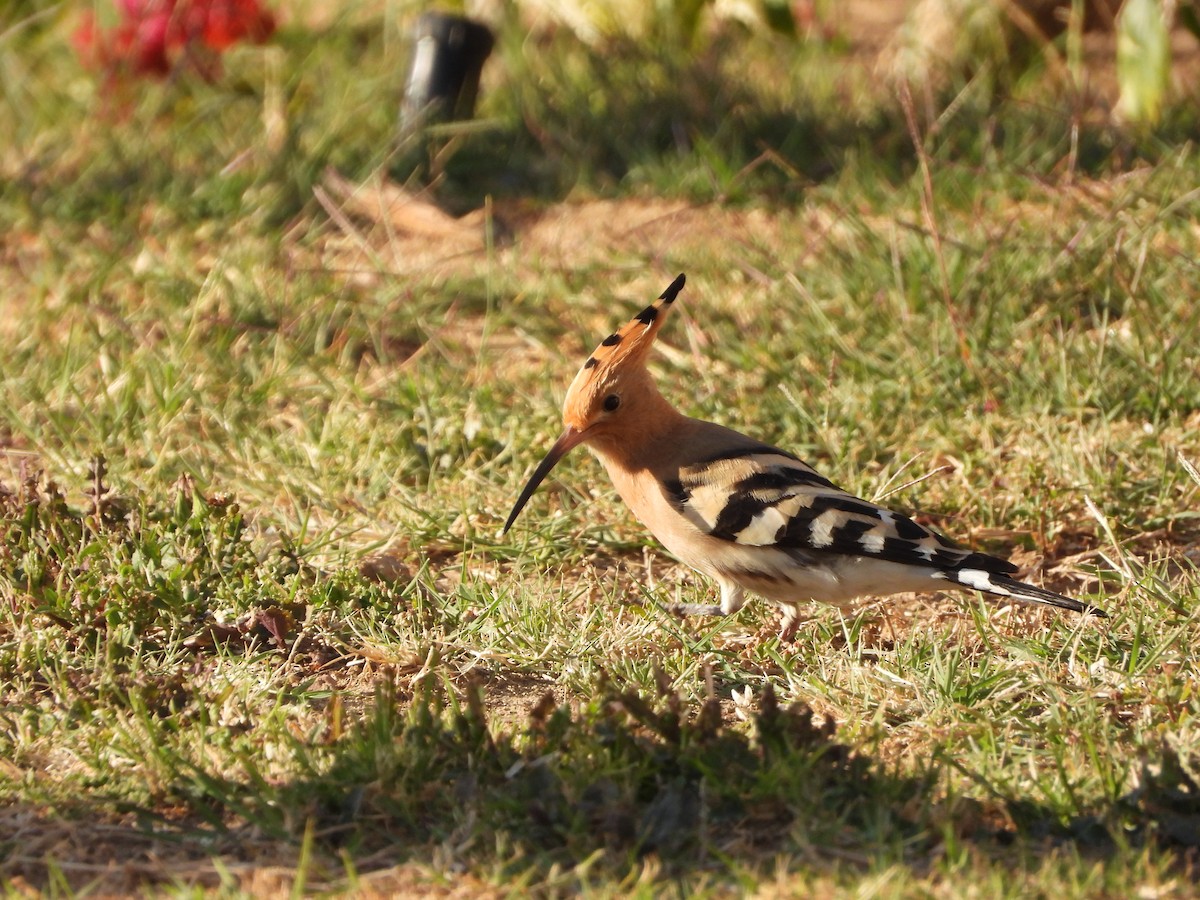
<point x="448" y="54"/>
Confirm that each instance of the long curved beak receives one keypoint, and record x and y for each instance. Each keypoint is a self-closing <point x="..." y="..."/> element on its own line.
<point x="566" y="441"/>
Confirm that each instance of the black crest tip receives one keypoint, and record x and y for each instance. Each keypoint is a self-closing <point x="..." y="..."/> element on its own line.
<point x="673" y="290"/>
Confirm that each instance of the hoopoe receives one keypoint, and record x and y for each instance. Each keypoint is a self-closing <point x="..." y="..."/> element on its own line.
<point x="748" y="515"/>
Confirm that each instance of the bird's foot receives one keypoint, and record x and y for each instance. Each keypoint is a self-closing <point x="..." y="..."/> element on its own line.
<point x="692" y="609"/>
<point x="773" y="630"/>
<point x="789" y="624"/>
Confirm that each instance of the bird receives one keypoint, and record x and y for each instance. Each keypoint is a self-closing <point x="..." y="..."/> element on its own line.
<point x="750" y="516"/>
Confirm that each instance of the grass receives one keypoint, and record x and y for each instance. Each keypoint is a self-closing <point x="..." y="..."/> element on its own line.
<point x="259" y="632"/>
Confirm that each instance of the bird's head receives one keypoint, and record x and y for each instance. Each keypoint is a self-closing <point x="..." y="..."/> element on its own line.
<point x="612" y="394"/>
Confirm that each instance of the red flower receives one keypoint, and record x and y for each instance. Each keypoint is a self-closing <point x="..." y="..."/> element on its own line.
<point x="155" y="36"/>
<point x="229" y="21"/>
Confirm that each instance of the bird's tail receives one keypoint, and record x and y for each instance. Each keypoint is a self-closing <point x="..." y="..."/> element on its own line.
<point x="1004" y="586"/>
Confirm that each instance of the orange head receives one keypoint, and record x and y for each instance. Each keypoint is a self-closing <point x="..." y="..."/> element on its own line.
<point x="609" y="390"/>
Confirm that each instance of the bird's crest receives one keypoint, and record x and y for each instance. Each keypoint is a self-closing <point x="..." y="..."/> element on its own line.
<point x="630" y="344"/>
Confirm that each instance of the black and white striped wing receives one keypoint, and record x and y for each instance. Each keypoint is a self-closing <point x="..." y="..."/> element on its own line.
<point x="763" y="497"/>
<point x="760" y="496"/>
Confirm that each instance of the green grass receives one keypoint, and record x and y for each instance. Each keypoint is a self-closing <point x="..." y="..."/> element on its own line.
<point x="260" y="633"/>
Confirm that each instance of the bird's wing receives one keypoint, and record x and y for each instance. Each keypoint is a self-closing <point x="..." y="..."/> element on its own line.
<point x="760" y="496"/>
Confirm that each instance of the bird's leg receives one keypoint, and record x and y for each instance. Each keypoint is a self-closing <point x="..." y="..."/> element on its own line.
<point x="732" y="599"/>
<point x="789" y="624"/>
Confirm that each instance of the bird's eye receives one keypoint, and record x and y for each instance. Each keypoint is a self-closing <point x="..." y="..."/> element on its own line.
<point x="611" y="402"/>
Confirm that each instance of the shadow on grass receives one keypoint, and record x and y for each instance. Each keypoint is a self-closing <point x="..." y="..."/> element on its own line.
<point x="597" y="795"/>
<point x="762" y="119"/>
<point x="633" y="776"/>
<point x="580" y="798"/>
<point x="725" y="124"/>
